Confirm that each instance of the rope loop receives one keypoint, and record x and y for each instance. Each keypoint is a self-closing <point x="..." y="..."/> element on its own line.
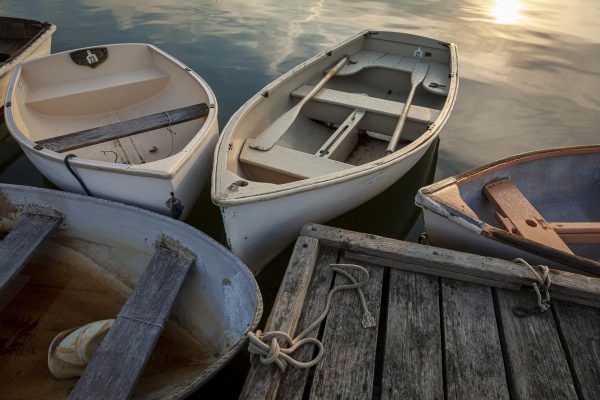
<point x="268" y="348"/>
<point x="544" y="282"/>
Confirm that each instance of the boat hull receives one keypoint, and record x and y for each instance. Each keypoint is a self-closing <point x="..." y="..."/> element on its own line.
<point x="113" y="243"/>
<point x="258" y="231"/>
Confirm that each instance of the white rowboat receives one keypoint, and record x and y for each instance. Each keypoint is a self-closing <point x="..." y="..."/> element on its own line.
<point x="141" y="126"/>
<point x="312" y="144"/>
<point x="541" y="206"/>
<point x="83" y="272"/>
<point x="21" y="40"/>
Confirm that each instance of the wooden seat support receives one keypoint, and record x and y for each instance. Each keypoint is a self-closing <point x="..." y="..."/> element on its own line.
<point x="520" y="217"/>
<point x="101" y="134"/>
<point x="21" y="242"/>
<point x="123" y="353"/>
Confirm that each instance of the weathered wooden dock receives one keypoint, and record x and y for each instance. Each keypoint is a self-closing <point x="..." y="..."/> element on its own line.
<point x="447" y="327"/>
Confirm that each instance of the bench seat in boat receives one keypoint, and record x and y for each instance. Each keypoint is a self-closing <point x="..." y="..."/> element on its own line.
<point x="290" y="162"/>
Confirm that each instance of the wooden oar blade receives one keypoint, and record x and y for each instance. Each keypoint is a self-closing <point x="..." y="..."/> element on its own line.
<point x="419" y="73"/>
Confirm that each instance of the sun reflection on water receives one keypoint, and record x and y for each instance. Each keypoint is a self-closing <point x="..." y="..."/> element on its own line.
<point x="507" y="11"/>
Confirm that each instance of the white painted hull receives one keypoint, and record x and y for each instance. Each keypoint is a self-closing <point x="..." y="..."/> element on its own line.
<point x="55" y="96"/>
<point x="258" y="231"/>
<point x="270" y="180"/>
<point x="40" y="48"/>
<point x="218" y="304"/>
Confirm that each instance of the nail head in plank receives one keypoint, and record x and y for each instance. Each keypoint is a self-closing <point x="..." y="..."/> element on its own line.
<point x="347" y="368"/>
<point x="523" y="218"/>
<point x="536" y="363"/>
<point x="123" y="353"/>
<point x="580" y="328"/>
<point x="262" y="381"/>
<point x="21" y="242"/>
<point x="474" y="364"/>
<point x="101" y="134"/>
<point x="412" y="363"/>
<point x="565" y="285"/>
<point x="294" y="380"/>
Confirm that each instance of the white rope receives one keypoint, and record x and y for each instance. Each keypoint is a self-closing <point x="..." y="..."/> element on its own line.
<point x="171" y="132"/>
<point x="543" y="281"/>
<point x="274" y="353"/>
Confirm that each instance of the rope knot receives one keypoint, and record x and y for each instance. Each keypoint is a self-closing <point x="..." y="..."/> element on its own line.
<point x="544" y="282"/>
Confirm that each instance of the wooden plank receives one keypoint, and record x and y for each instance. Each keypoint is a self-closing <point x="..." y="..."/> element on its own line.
<point x="474" y="364"/>
<point x="262" y="381"/>
<point x="294" y="380"/>
<point x="412" y="364"/>
<point x="519" y="216"/>
<point x="88" y="137"/>
<point x="577" y="232"/>
<point x="580" y="327"/>
<point x="290" y="162"/>
<point x="347" y="368"/>
<point x="341" y="142"/>
<point x="369" y="104"/>
<point x="434" y="260"/>
<point x="123" y="353"/>
<point x="21" y="242"/>
<point x="535" y="361"/>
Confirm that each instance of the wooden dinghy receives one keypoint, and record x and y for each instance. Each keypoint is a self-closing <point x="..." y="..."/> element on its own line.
<point x="541" y="206"/>
<point x="329" y="135"/>
<point x="21" y="40"/>
<point x="69" y="260"/>
<point x="125" y="122"/>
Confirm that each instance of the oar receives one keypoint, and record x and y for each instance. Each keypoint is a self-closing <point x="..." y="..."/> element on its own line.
<point x="269" y="136"/>
<point x="418" y="74"/>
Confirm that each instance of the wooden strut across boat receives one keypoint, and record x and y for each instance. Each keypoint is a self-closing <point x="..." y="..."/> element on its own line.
<point x="563" y="227"/>
<point x="193" y="298"/>
<point x="129" y="115"/>
<point x="312" y="144"/>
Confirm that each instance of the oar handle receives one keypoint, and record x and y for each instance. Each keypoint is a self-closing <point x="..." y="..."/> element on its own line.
<point x="331" y="72"/>
<point x="396" y="135"/>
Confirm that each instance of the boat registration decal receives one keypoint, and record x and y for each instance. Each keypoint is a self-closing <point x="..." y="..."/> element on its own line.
<point x="91" y="57"/>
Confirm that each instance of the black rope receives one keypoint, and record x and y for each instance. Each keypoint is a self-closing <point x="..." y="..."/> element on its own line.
<point x="66" y="160"/>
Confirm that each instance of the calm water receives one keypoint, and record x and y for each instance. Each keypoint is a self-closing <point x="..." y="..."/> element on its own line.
<point x="529" y="75"/>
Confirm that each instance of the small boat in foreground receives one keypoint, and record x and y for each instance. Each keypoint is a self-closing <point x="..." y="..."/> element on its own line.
<point x="125" y="122"/>
<point x="542" y="206"/>
<point x="21" y="40"/>
<point x="329" y="135"/>
<point x="94" y="260"/>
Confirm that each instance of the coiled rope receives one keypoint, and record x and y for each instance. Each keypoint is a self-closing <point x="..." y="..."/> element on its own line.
<point x="543" y="281"/>
<point x="273" y="353"/>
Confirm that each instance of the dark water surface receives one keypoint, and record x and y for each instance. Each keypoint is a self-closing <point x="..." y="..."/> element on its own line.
<point x="529" y="79"/>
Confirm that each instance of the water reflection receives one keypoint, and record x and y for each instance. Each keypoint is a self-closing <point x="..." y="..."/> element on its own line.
<point x="506" y="11"/>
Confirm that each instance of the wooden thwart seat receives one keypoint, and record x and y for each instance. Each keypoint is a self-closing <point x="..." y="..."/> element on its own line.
<point x="101" y="134"/>
<point x="21" y="242"/>
<point x="369" y="104"/>
<point x="577" y="232"/>
<point x="290" y="162"/>
<point x="123" y="353"/>
<point x="518" y="215"/>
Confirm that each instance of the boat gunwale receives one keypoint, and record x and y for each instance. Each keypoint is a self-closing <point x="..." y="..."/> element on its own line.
<point x="46" y="29"/>
<point x="218" y="190"/>
<point x="195" y="382"/>
<point x="445" y="209"/>
<point x="182" y="157"/>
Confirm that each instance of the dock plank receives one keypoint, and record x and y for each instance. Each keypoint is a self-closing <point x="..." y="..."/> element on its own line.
<point x="123" y="353"/>
<point x="294" y="380"/>
<point x="262" y="381"/>
<point x="536" y="363"/>
<point x="580" y="328"/>
<point x="474" y="364"/>
<point x="21" y="242"/>
<point x="346" y="370"/>
<point x="412" y="364"/>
